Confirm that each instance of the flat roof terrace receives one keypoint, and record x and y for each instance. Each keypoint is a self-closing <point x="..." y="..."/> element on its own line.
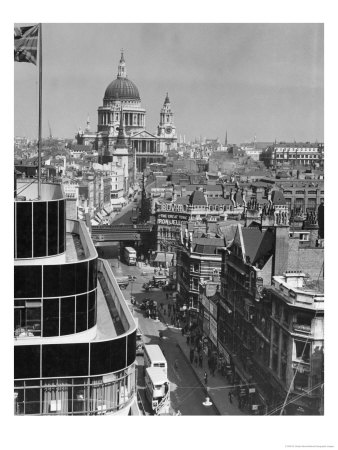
<point x="114" y="318"/>
<point x="74" y="248"/>
<point x="28" y="191"/>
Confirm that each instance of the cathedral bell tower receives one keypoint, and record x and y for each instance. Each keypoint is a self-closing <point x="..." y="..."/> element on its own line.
<point x="166" y="129"/>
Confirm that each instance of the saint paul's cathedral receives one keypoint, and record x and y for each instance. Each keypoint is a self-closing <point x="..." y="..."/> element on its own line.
<point x="122" y="100"/>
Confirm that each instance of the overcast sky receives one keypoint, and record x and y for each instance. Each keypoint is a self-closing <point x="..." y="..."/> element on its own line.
<point x="249" y="79"/>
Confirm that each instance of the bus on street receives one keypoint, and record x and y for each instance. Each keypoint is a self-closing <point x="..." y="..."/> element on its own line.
<point x="130" y="256"/>
<point x="153" y="357"/>
<point x="157" y="390"/>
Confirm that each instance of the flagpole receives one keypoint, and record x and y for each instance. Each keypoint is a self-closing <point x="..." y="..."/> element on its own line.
<point x="40" y="112"/>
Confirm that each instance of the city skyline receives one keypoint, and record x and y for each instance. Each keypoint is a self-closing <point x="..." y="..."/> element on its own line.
<point x="263" y="80"/>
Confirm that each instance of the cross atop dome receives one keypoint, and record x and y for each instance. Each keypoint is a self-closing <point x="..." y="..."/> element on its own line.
<point x="121" y="71"/>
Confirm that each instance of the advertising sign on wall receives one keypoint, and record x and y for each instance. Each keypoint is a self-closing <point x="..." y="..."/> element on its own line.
<point x="213" y="331"/>
<point x="171" y="219"/>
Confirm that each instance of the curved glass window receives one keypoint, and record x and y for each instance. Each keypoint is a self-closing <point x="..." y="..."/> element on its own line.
<point x="91" y="309"/>
<point x="27" y="281"/>
<point x="108" y="356"/>
<point x="92" y="274"/>
<point x="67" y="316"/>
<point x="23" y="229"/>
<point x="131" y="348"/>
<point x="67" y="279"/>
<point x="39" y="231"/>
<point x="27" y="361"/>
<point x="76" y="396"/>
<point x="81" y="270"/>
<point x="51" y="317"/>
<point x="62" y="220"/>
<point x="81" y="313"/>
<point x="51" y="281"/>
<point x="65" y="360"/>
<point x="53" y="228"/>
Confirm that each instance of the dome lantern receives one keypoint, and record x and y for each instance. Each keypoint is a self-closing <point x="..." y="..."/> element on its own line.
<point x="121" y="88"/>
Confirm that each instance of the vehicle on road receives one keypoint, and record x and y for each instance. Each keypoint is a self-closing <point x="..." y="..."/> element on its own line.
<point x="147" y="286"/>
<point x="129" y="254"/>
<point x="149" y="307"/>
<point x="123" y="282"/>
<point x="131" y="277"/>
<point x="160" y="280"/>
<point x="157" y="390"/>
<point x="153" y="357"/>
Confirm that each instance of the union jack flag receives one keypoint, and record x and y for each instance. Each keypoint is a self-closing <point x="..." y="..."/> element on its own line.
<point x="26" y="44"/>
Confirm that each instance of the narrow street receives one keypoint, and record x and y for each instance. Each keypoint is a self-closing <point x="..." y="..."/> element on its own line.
<point x="187" y="392"/>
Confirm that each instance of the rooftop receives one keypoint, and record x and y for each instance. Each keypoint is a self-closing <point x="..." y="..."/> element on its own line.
<point x="27" y="190"/>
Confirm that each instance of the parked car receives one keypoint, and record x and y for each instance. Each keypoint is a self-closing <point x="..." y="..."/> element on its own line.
<point x="160" y="280"/>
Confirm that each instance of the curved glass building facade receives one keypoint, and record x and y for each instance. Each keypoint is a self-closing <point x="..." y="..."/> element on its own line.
<point x="74" y="336"/>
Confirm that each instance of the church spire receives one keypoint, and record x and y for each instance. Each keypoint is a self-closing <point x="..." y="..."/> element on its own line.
<point x="166" y="99"/>
<point x="121" y="140"/>
<point x="226" y="138"/>
<point x="122" y="72"/>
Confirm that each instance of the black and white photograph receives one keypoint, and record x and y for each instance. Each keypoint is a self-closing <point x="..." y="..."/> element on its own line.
<point x="169" y="180"/>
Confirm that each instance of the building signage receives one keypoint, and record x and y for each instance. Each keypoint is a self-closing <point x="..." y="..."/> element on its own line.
<point x="259" y="288"/>
<point x="224" y="352"/>
<point x="171" y="207"/>
<point x="213" y="309"/>
<point x="171" y="219"/>
<point x="213" y="331"/>
<point x="206" y="325"/>
<point x="205" y="303"/>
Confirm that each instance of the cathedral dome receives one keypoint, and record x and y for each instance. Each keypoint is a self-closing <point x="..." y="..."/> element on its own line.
<point x="122" y="89"/>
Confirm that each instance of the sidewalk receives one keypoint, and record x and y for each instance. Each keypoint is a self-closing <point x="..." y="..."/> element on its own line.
<point x="218" y="385"/>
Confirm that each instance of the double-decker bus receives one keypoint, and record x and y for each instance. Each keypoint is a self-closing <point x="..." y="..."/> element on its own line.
<point x="130" y="256"/>
<point x="157" y="390"/>
<point x="153" y="357"/>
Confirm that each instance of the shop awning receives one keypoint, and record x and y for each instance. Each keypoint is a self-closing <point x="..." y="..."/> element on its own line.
<point x="163" y="257"/>
<point x="107" y="210"/>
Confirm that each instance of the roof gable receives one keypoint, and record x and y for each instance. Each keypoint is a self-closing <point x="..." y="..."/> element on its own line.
<point x="144" y="134"/>
<point x="277" y="198"/>
<point x="252" y="238"/>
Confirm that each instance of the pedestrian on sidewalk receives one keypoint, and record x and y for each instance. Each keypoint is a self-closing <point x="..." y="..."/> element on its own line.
<point x="200" y="359"/>
<point x="188" y="339"/>
<point x="167" y="295"/>
<point x="164" y="311"/>
<point x="182" y="331"/>
<point x="205" y="378"/>
<point x="230" y="396"/>
<point x="196" y="358"/>
<point x="191" y="355"/>
<point x="161" y="306"/>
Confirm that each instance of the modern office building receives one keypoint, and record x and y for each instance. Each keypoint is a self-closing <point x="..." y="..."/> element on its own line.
<point x="74" y="336"/>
